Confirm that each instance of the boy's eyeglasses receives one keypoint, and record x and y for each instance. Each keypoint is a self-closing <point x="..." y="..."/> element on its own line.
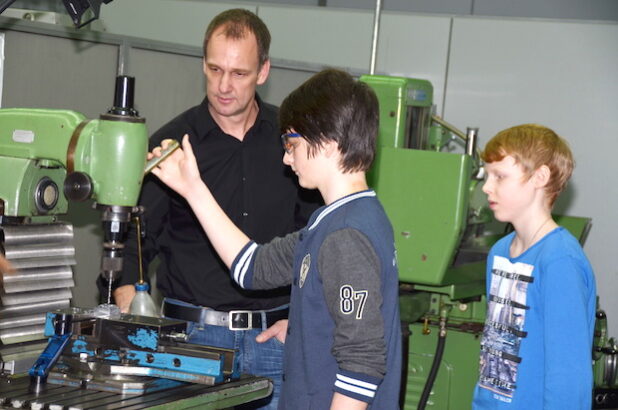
<point x="285" y="141"/>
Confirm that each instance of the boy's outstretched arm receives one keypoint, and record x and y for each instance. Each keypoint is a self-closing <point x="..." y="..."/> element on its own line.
<point x="180" y="172"/>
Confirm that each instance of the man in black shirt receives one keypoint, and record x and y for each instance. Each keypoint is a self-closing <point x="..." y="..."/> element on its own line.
<point x="236" y="141"/>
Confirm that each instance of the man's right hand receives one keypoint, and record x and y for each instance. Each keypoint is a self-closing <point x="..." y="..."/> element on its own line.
<point x="123" y="295"/>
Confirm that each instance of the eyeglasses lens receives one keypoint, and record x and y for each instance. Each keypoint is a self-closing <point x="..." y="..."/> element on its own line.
<point x="285" y="141"/>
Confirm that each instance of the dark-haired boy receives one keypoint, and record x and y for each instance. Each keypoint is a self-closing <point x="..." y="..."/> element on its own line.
<point x="343" y="349"/>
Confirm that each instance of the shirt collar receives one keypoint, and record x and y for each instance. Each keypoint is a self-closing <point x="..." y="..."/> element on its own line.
<point x="339" y="203"/>
<point x="208" y="124"/>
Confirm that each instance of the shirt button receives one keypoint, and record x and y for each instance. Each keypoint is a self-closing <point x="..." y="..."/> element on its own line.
<point x="245" y="214"/>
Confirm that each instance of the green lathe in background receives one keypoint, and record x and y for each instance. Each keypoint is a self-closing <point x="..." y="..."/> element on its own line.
<point x="443" y="232"/>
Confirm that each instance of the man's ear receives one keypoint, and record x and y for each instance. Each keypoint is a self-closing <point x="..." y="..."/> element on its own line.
<point x="542" y="176"/>
<point x="263" y="73"/>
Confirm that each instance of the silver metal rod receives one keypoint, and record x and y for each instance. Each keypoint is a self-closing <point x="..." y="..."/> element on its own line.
<point x="449" y="127"/>
<point x="374" y="38"/>
<point x="39" y="274"/>
<point x="38" y="251"/>
<point x="471" y="134"/>
<point x="35" y="234"/>
<point x="35" y="296"/>
<point x="30" y="308"/>
<point x="17" y="287"/>
<point x="21" y="334"/>
<point x="29" y="320"/>
<point x="29" y="263"/>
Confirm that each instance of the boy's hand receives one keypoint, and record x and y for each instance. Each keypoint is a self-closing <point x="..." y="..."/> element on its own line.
<point x="179" y="171"/>
<point x="278" y="331"/>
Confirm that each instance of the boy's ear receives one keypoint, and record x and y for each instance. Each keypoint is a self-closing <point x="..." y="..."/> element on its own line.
<point x="541" y="176"/>
<point x="330" y="147"/>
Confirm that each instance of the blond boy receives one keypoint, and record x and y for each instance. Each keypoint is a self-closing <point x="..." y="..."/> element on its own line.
<point x="537" y="342"/>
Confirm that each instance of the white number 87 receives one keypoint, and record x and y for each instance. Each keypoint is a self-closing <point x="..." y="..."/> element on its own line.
<point x="349" y="298"/>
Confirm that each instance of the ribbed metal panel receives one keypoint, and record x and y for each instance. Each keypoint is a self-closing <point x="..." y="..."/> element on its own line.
<point x="42" y="256"/>
<point x="46" y="306"/>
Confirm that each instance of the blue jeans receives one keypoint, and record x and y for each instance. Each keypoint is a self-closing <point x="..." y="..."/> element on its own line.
<point x="259" y="359"/>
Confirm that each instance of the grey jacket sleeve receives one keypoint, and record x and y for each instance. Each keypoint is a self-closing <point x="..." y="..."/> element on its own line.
<point x="274" y="262"/>
<point x="351" y="272"/>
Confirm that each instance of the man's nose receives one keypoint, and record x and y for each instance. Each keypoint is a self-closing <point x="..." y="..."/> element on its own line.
<point x="225" y="83"/>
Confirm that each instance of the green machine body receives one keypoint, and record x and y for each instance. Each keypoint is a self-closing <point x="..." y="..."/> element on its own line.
<point x="48" y="157"/>
<point x="40" y="147"/>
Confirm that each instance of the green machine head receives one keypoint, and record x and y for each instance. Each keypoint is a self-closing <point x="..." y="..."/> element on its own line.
<point x="48" y="157"/>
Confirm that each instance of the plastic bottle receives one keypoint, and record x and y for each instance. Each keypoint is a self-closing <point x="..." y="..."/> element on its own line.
<point x="142" y="304"/>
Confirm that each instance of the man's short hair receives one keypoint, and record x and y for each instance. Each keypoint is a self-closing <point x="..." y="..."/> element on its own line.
<point x="332" y="105"/>
<point x="532" y="146"/>
<point x="237" y="24"/>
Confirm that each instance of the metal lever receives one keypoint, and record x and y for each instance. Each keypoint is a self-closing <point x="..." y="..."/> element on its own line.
<point x="153" y="162"/>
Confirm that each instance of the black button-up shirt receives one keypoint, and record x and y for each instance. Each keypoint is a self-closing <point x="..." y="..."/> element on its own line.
<point x="252" y="185"/>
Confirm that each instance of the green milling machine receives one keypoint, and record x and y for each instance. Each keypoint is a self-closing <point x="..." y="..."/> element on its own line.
<point x="443" y="231"/>
<point x="89" y="357"/>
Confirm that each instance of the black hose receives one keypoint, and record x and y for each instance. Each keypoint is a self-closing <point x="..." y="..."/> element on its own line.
<point x="437" y="359"/>
<point x="405" y="350"/>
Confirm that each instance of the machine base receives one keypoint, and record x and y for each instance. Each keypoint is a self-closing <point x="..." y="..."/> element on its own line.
<point x="14" y="393"/>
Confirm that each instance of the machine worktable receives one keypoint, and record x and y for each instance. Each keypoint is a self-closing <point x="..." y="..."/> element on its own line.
<point x="14" y="394"/>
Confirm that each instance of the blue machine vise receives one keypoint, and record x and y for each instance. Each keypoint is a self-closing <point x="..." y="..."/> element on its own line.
<point x="129" y="345"/>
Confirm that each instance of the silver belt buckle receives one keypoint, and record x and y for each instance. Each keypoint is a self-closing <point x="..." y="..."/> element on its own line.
<point x="230" y="322"/>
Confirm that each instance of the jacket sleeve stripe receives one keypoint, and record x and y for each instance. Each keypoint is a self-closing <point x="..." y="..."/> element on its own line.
<point x="356" y="386"/>
<point x="241" y="267"/>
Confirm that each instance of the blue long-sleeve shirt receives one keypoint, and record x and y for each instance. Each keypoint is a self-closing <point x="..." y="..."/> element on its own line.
<point x="536" y="351"/>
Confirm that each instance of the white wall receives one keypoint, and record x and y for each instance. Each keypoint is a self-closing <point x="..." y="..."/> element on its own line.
<point x="487" y="72"/>
<point x="561" y="74"/>
<point x="181" y="21"/>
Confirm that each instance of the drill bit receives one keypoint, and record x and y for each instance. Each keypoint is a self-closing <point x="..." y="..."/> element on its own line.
<point x="109" y="292"/>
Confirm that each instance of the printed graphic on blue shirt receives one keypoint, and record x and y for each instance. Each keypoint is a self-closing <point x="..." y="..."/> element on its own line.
<point x="504" y="326"/>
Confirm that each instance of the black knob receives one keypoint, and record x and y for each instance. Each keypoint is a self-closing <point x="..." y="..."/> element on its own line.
<point x="77" y="186"/>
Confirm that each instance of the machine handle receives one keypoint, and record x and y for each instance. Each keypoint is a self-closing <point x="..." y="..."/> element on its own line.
<point x="173" y="146"/>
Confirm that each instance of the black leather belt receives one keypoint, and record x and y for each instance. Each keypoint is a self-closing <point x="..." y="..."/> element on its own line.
<point x="234" y="320"/>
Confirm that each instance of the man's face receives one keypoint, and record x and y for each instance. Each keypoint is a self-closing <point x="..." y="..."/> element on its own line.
<point x="232" y="73"/>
